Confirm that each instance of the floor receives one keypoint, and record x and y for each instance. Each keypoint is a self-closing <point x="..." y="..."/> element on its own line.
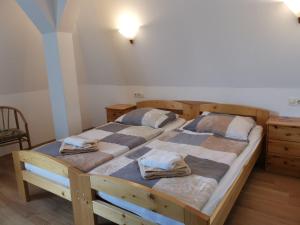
<point x="267" y="199"/>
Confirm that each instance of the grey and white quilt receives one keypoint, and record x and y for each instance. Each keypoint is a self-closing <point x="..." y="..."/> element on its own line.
<point x="115" y="139"/>
<point x="208" y="156"/>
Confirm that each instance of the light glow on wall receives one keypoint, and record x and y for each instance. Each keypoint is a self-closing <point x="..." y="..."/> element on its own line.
<point x="294" y="6"/>
<point x="128" y="25"/>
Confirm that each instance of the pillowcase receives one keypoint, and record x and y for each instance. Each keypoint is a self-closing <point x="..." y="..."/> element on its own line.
<point x="229" y="126"/>
<point x="150" y="117"/>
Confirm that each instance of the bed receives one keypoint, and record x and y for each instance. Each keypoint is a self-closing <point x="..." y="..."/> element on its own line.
<point x="59" y="175"/>
<point x="114" y="196"/>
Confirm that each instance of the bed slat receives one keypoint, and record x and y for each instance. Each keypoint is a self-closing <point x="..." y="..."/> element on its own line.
<point x="47" y="185"/>
<point x="140" y="195"/>
<point x="117" y="215"/>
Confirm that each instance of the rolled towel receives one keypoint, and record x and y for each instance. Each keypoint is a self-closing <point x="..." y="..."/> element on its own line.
<point x="80" y="141"/>
<point x="161" y="159"/>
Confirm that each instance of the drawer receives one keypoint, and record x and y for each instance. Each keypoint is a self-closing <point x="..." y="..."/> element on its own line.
<point x="284" y="148"/>
<point x="282" y="165"/>
<point x="113" y="115"/>
<point x="284" y="133"/>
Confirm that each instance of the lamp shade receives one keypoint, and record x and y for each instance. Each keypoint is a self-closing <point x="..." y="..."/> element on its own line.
<point x="128" y="26"/>
<point x="294" y="6"/>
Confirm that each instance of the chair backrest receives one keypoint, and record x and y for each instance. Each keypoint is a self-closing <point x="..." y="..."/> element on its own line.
<point x="10" y="118"/>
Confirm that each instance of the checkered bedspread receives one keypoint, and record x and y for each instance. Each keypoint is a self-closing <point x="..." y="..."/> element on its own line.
<point x="208" y="156"/>
<point x="115" y="139"/>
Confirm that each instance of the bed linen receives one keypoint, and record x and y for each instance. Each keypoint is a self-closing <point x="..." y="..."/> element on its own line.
<point x="208" y="156"/>
<point x="114" y="140"/>
<point x="225" y="125"/>
<point x="105" y="149"/>
<point x="151" y="117"/>
<point x="235" y="170"/>
<point x="216" y="196"/>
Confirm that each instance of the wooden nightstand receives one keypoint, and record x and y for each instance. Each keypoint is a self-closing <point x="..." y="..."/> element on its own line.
<point x="115" y="111"/>
<point x="283" y="146"/>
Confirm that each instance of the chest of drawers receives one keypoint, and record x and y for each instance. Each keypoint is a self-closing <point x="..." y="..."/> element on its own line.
<point x="283" y="146"/>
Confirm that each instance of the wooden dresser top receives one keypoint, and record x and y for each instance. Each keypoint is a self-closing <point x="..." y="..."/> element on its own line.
<point x="284" y="121"/>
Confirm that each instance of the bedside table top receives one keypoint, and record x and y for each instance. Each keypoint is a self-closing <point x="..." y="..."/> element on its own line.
<point x="121" y="106"/>
<point x="284" y="121"/>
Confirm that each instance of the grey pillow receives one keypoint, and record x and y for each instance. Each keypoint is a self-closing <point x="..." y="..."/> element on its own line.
<point x="155" y="118"/>
<point x="226" y="125"/>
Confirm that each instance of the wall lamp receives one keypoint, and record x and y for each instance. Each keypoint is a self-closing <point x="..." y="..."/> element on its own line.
<point x="294" y="6"/>
<point x="128" y="26"/>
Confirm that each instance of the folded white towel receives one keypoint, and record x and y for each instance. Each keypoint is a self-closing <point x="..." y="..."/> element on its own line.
<point x="161" y="159"/>
<point x="79" y="141"/>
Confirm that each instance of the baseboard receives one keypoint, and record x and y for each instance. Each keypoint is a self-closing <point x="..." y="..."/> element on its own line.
<point x="86" y="129"/>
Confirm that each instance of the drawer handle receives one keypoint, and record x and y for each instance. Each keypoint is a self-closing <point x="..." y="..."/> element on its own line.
<point x="286" y="148"/>
<point x="285" y="162"/>
<point x="276" y="127"/>
<point x="288" y="134"/>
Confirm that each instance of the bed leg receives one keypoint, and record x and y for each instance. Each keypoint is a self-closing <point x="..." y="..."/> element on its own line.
<point x="21" y="184"/>
<point x="75" y="194"/>
<point x="87" y="196"/>
<point x="195" y="217"/>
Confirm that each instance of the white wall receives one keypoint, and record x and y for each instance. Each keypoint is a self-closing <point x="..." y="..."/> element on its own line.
<point x="273" y="99"/>
<point x="22" y="65"/>
<point x="94" y="99"/>
<point x="23" y="75"/>
<point x="233" y="43"/>
<point x="35" y="106"/>
<point x="235" y="51"/>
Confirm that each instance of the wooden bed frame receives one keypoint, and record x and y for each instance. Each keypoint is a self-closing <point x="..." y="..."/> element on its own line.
<point x="51" y="164"/>
<point x="62" y="168"/>
<point x="90" y="205"/>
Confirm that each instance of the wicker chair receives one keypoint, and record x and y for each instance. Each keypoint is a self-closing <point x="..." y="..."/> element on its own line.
<point x="13" y="127"/>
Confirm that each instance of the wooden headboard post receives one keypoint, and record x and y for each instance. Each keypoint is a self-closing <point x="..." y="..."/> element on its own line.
<point x="190" y="110"/>
<point x="186" y="111"/>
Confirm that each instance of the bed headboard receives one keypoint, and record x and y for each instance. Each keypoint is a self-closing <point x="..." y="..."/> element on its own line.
<point x="186" y="111"/>
<point x="260" y="115"/>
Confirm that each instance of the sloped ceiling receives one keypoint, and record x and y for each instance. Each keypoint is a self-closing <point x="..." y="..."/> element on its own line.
<point x="22" y="65"/>
<point x="233" y="43"/>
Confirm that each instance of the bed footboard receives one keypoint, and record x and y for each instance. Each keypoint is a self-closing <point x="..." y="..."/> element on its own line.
<point x="42" y="161"/>
<point x="53" y="165"/>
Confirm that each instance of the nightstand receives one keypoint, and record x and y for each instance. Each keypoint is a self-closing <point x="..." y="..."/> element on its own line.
<point x="115" y="111"/>
<point x="283" y="146"/>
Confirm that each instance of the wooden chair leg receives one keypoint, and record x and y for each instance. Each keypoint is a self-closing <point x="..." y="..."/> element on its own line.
<point x="20" y="144"/>
<point x="22" y="185"/>
<point x="29" y="143"/>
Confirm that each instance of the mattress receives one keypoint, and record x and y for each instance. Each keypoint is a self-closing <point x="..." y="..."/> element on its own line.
<point x="225" y="183"/>
<point x="65" y="181"/>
